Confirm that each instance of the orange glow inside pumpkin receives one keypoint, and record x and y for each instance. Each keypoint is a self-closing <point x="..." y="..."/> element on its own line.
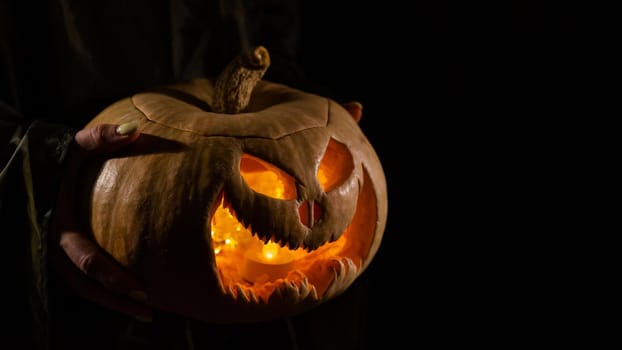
<point x="234" y="245"/>
<point x="251" y="268"/>
<point x="230" y="239"/>
<point x="228" y="233"/>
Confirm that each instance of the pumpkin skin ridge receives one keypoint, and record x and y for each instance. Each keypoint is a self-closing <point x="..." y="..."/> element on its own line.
<point x="215" y="135"/>
<point x="228" y="301"/>
<point x="287" y="101"/>
<point x="149" y="119"/>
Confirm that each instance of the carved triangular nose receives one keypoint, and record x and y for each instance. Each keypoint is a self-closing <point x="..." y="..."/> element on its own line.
<point x="310" y="213"/>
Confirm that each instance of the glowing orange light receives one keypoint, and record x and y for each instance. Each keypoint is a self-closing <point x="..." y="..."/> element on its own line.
<point x="235" y="246"/>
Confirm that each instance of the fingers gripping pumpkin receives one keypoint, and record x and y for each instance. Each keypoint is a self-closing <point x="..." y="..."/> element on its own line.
<point x="245" y="213"/>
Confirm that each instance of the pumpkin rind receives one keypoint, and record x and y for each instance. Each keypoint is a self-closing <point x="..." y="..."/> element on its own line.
<point x="151" y="206"/>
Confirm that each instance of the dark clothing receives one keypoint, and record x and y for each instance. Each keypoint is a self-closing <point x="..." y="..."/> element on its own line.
<point x="61" y="63"/>
<point x="30" y="169"/>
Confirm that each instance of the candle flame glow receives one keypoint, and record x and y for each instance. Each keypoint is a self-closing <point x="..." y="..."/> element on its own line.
<point x="270" y="250"/>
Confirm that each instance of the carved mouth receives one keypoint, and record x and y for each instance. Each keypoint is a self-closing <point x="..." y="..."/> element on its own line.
<point x="261" y="271"/>
<point x="252" y="268"/>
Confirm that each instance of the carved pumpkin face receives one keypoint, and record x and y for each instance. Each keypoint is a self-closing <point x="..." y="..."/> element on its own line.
<point x="239" y="217"/>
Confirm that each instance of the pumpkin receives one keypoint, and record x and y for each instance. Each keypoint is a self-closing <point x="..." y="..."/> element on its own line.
<point x="245" y="210"/>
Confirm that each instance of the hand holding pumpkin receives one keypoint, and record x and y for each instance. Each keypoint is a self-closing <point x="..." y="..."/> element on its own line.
<point x="80" y="262"/>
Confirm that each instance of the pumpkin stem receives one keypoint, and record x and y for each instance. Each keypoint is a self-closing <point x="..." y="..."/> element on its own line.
<point x="236" y="82"/>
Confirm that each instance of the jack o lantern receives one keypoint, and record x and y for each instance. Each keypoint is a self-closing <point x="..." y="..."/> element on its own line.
<point x="243" y="199"/>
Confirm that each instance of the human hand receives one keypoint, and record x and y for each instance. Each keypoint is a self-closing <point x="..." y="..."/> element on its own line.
<point x="79" y="261"/>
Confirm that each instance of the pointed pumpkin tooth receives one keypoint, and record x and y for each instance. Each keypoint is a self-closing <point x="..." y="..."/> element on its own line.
<point x="231" y="292"/>
<point x="352" y="268"/>
<point x="276" y="296"/>
<point x="303" y="290"/>
<point x="290" y="285"/>
<point x="313" y="293"/>
<point x="241" y="291"/>
<point x="299" y="243"/>
<point x="284" y="244"/>
<point x="344" y="273"/>
<point x="253" y="297"/>
<point x="338" y="267"/>
<point x="311" y="246"/>
<point x="290" y="291"/>
<point x="335" y="236"/>
<point x="221" y="283"/>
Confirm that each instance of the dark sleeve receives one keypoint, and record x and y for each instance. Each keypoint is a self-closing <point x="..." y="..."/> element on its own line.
<point x="31" y="157"/>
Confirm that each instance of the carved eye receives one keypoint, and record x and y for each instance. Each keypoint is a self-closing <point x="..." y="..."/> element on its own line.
<point x="266" y="178"/>
<point x="336" y="165"/>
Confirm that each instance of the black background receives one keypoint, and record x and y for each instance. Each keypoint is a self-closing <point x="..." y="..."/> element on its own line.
<point x="495" y="127"/>
<point x="495" y="124"/>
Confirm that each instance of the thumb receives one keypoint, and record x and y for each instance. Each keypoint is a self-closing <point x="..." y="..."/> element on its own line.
<point x="105" y="138"/>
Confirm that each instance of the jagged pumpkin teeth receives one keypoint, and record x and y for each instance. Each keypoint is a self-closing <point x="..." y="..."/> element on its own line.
<point x="241" y="292"/>
<point x="288" y="288"/>
<point x="264" y="195"/>
<point x="297" y="275"/>
<point x="252" y="296"/>
<point x="304" y="290"/>
<point x="339" y="268"/>
<point x="230" y="291"/>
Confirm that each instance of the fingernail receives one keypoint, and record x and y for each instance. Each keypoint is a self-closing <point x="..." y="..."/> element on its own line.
<point x="127" y="128"/>
<point x="138" y="295"/>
